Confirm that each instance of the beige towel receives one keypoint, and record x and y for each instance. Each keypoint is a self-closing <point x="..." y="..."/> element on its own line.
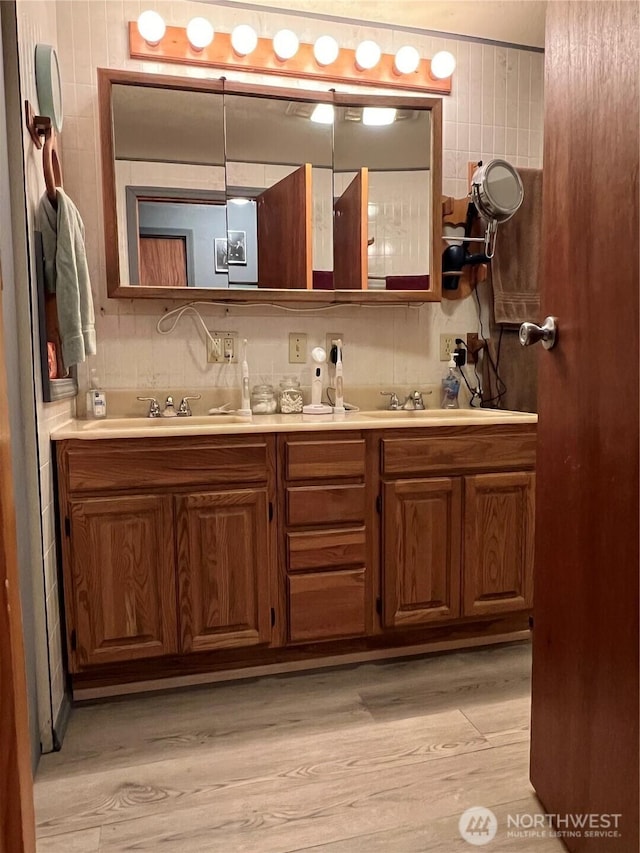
<point x="514" y="269"/>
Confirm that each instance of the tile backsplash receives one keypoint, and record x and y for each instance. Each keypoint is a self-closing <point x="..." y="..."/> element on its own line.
<point x="495" y="110"/>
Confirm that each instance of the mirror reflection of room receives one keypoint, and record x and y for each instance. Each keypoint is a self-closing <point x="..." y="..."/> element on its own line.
<point x="382" y="198"/>
<point x="278" y="175"/>
<point x="170" y="186"/>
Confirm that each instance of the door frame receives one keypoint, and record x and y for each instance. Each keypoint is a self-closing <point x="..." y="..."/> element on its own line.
<point x="17" y="820"/>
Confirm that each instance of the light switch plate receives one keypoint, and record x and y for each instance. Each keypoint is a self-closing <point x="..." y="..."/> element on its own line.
<point x="297" y="348"/>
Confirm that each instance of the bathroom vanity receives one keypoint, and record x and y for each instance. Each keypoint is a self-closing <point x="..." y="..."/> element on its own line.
<point x="196" y="547"/>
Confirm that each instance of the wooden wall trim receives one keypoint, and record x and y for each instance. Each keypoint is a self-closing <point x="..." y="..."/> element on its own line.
<point x="17" y="822"/>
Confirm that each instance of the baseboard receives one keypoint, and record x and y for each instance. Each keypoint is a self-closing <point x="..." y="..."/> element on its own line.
<point x="61" y="722"/>
<point x="155" y="685"/>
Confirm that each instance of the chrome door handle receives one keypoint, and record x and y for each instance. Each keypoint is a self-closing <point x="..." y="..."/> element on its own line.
<point x="547" y="332"/>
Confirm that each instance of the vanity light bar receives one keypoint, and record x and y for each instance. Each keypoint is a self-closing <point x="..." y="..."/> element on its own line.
<point x="286" y="56"/>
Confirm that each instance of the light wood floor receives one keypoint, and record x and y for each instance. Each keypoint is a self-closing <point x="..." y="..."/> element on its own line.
<point x="378" y="758"/>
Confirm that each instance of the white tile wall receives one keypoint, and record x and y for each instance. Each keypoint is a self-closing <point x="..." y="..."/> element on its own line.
<point x="495" y="110"/>
<point x="37" y="22"/>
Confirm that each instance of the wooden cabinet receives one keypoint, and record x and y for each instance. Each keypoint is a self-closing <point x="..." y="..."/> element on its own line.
<point x="498" y="542"/>
<point x="123" y="581"/>
<point x="182" y="555"/>
<point x="185" y="569"/>
<point x="456" y="546"/>
<point x="327" y="540"/>
<point x="223" y="569"/>
<point x="421" y="536"/>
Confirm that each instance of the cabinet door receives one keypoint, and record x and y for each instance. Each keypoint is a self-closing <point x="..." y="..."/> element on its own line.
<point x="224" y="569"/>
<point x="124" y="586"/>
<point x="498" y="543"/>
<point x="422" y="531"/>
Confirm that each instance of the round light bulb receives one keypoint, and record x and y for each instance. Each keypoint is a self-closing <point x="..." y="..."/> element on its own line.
<point x="368" y="55"/>
<point x="326" y="50"/>
<point x="200" y="33"/>
<point x="285" y="44"/>
<point x="407" y="60"/>
<point x="151" y="27"/>
<point x="244" y="40"/>
<point x="443" y="65"/>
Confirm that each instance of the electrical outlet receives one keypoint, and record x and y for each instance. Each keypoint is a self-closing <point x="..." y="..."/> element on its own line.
<point x="297" y="348"/>
<point x="448" y="345"/>
<point x="222" y="348"/>
<point x="330" y="338"/>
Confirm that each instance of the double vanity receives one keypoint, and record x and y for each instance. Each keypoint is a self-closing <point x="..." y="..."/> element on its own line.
<point x="212" y="543"/>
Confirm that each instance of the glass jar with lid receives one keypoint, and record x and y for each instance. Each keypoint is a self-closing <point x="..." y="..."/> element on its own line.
<point x="291" y="401"/>
<point x="263" y="400"/>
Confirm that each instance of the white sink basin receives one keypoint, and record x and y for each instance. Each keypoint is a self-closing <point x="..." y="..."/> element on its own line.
<point x="146" y="424"/>
<point x="430" y="413"/>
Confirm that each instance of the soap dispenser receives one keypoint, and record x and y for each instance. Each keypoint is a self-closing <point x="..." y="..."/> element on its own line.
<point x="451" y="385"/>
<point x="96" y="399"/>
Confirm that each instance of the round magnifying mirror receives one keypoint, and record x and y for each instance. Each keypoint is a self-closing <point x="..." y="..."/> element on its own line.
<point x="48" y="84"/>
<point x="497" y="190"/>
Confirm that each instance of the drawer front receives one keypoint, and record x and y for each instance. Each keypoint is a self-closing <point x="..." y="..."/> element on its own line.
<point x="317" y="460"/>
<point x="326" y="605"/>
<point x="130" y="465"/>
<point x="449" y="454"/>
<point x="326" y="549"/>
<point x="309" y="505"/>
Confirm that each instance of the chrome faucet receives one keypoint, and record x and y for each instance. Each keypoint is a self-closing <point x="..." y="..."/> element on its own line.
<point x="169" y="410"/>
<point x="184" y="409"/>
<point x="414" y="402"/>
<point x="394" y="402"/>
<point x="154" y="407"/>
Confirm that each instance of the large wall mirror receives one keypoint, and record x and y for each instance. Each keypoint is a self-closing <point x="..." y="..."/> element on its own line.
<point x="229" y="192"/>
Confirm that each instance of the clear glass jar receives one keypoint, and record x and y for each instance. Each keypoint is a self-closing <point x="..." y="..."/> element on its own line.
<point x="263" y="400"/>
<point x="291" y="401"/>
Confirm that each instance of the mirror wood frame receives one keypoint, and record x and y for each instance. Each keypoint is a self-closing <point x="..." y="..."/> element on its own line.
<point x="108" y="77"/>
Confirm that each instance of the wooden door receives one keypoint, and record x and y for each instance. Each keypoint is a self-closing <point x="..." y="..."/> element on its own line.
<point x="421" y="571"/>
<point x="284" y="232"/>
<point x="584" y="741"/>
<point x="497" y="574"/>
<point x="124" y="587"/>
<point x="350" y="235"/>
<point x="224" y="569"/>
<point x="163" y="261"/>
<point x="17" y="824"/>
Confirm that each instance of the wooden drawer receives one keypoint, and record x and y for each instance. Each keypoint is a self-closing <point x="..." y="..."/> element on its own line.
<point x="318" y="460"/>
<point x="326" y="604"/>
<point x="308" y="505"/>
<point x="145" y="464"/>
<point x="450" y="454"/>
<point x="326" y="549"/>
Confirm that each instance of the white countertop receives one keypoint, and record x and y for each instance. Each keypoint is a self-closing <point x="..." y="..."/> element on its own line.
<point x="140" y="427"/>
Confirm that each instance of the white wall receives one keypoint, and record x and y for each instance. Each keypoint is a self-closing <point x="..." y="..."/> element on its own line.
<point x="495" y="110"/>
<point x="36" y="22"/>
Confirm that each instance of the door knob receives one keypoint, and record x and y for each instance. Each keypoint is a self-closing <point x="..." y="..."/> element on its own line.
<point x="530" y="333"/>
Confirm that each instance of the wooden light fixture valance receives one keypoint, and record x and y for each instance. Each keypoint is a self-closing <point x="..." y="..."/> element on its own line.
<point x="175" y="47"/>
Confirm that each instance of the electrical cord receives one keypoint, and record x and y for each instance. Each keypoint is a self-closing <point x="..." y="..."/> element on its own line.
<point x="501" y="387"/>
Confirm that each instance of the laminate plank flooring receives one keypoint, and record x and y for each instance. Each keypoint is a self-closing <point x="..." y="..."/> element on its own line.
<point x="376" y="757"/>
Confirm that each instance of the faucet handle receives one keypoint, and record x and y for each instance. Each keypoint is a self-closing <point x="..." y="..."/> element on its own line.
<point x="184" y="409"/>
<point x="154" y="407"/>
<point x="394" y="402"/>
